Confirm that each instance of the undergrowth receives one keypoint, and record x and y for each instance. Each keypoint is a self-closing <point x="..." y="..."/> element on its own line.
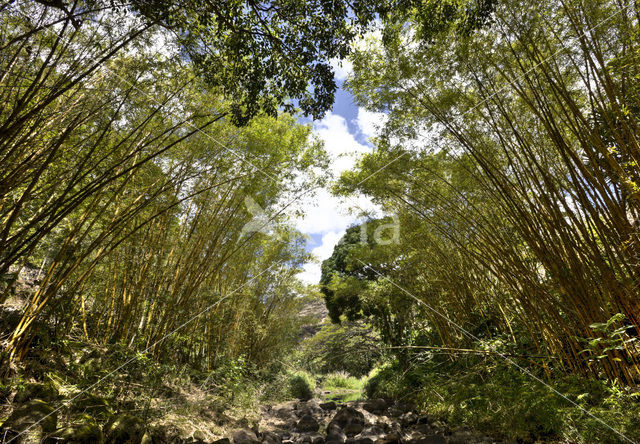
<point x="491" y="395"/>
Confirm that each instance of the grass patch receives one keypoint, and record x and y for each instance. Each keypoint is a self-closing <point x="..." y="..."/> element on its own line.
<point x="342" y="380"/>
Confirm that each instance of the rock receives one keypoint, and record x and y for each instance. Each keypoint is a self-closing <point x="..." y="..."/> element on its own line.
<point x="270" y="438"/>
<point x="328" y="406"/>
<point x="92" y="405"/>
<point x="430" y="439"/>
<point x="200" y="436"/>
<point x="85" y="432"/>
<point x="461" y="437"/>
<point x="33" y="412"/>
<point x="392" y="438"/>
<point x="245" y="437"/>
<point x="146" y="438"/>
<point x="363" y="440"/>
<point x="408" y="419"/>
<point x="311" y="439"/>
<point x="308" y="424"/>
<point x="124" y="429"/>
<point x="375" y="406"/>
<point x="335" y="435"/>
<point x="349" y="420"/>
<point x="36" y="390"/>
<point x="222" y="441"/>
<point x="422" y="428"/>
<point x="309" y="407"/>
<point x="373" y="431"/>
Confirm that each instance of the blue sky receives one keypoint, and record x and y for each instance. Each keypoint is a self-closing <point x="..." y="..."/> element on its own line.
<point x="344" y="130"/>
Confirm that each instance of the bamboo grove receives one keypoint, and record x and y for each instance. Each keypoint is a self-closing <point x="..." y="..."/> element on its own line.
<point x="123" y="187"/>
<point x="510" y="155"/>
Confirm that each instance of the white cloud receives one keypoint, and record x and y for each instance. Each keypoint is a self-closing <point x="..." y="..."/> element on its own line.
<point x="326" y="214"/>
<point x="312" y="270"/>
<point x="341" y="68"/>
<point x="370" y="122"/>
<point x="323" y="211"/>
<point x="343" y="148"/>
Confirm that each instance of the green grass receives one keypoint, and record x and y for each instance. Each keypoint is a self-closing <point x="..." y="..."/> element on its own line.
<point x="342" y="380"/>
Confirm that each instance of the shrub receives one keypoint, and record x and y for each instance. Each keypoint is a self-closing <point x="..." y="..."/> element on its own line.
<point x="301" y="385"/>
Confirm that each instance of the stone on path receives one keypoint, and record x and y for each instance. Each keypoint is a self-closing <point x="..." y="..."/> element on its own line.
<point x="328" y="405"/>
<point x="375" y="406"/>
<point x="307" y="424"/>
<point x="350" y="420"/>
<point x="244" y="437"/>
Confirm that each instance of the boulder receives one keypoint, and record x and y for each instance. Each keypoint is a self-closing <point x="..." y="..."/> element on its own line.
<point x="392" y="438"/>
<point x="311" y="439"/>
<point x="28" y="415"/>
<point x="124" y="429"/>
<point x="244" y="436"/>
<point x="309" y="407"/>
<point x="307" y="424"/>
<point x="328" y="406"/>
<point x="84" y="432"/>
<point x="373" y="431"/>
<point x="375" y="406"/>
<point x="335" y="435"/>
<point x="362" y="440"/>
<point x="221" y="441"/>
<point x="430" y="439"/>
<point x="408" y="419"/>
<point x="421" y="429"/>
<point x="92" y="405"/>
<point x="350" y="420"/>
<point x="270" y="438"/>
<point x="36" y="390"/>
<point x="461" y="437"/>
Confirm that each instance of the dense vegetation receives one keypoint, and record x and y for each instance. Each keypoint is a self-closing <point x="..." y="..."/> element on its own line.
<point x="139" y="140"/>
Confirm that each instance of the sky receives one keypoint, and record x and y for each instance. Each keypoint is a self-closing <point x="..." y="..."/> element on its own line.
<point x="345" y="131"/>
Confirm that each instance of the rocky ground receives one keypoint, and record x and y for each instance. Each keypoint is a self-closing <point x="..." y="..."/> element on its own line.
<point x="357" y="422"/>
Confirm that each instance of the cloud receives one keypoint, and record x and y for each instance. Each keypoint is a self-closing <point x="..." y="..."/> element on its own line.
<point x="323" y="211"/>
<point x="312" y="270"/>
<point x="341" y="68"/>
<point x="339" y="142"/>
<point x="370" y="122"/>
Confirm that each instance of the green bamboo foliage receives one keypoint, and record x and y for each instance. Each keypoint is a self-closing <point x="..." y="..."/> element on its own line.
<point x="527" y="185"/>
